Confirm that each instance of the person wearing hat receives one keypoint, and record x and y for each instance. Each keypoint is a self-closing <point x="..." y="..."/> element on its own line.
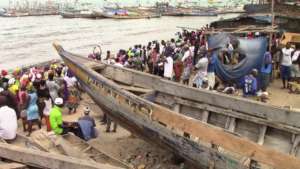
<point x="87" y="125"/>
<point x="13" y="87"/>
<point x="56" y="121"/>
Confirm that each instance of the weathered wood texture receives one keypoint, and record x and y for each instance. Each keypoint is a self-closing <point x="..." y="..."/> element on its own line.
<point x="12" y="166"/>
<point x="109" y="95"/>
<point x="253" y="108"/>
<point x="46" y="160"/>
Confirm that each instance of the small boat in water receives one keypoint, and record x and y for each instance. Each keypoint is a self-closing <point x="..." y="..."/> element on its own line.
<point x="207" y="129"/>
<point x="78" y="14"/>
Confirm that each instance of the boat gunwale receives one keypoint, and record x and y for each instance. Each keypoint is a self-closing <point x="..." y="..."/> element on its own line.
<point x="280" y="160"/>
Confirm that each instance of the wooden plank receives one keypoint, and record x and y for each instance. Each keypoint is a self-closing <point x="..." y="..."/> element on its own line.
<point x="242" y="105"/>
<point x="12" y="166"/>
<point x="262" y="133"/>
<point x="225" y="140"/>
<point x="135" y="89"/>
<point x="47" y="160"/>
<point x="229" y="112"/>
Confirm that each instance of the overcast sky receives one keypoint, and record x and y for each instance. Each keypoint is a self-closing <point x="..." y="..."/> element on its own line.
<point x="4" y="3"/>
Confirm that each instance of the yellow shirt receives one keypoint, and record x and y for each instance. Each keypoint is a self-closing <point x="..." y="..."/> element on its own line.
<point x="13" y="89"/>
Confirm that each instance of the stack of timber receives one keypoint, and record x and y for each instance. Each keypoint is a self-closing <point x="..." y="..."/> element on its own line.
<point x="209" y="130"/>
<point x="67" y="146"/>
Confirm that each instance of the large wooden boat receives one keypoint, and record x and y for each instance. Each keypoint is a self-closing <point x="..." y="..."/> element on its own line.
<point x="209" y="130"/>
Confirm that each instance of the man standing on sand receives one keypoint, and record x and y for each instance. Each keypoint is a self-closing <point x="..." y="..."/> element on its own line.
<point x="168" y="67"/>
<point x="285" y="65"/>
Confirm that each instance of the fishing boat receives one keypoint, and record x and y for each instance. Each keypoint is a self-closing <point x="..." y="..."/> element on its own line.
<point x="207" y="129"/>
<point x="78" y="14"/>
<point x="127" y="14"/>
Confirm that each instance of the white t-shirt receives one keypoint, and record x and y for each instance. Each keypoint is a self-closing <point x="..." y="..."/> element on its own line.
<point x="287" y="56"/>
<point x="168" y="67"/>
<point x="186" y="55"/>
<point x="71" y="81"/>
<point x="48" y="107"/>
<point x="202" y="65"/>
<point x="8" y="123"/>
<point x="296" y="55"/>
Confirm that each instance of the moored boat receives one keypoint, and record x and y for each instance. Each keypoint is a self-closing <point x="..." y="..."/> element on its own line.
<point x="78" y="14"/>
<point x="207" y="129"/>
<point x="124" y="14"/>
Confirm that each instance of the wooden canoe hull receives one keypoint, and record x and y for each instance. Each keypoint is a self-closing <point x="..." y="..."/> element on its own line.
<point x="188" y="137"/>
<point x="142" y="126"/>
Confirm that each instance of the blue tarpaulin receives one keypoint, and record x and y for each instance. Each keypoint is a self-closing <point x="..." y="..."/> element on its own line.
<point x="252" y="49"/>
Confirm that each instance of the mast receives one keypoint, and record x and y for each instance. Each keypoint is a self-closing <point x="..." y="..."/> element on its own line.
<point x="272" y="24"/>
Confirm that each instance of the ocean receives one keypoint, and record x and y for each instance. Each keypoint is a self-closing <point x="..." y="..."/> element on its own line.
<point x="28" y="40"/>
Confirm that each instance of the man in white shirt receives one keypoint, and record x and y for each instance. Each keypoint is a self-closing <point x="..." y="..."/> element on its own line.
<point x="8" y="122"/>
<point x="168" y="67"/>
<point x="286" y="63"/>
<point x="295" y="69"/>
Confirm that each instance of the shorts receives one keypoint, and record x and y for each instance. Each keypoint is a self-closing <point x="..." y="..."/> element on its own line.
<point x="285" y="72"/>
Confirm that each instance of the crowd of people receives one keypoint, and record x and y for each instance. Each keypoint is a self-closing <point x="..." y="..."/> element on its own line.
<point x="188" y="59"/>
<point x="38" y="95"/>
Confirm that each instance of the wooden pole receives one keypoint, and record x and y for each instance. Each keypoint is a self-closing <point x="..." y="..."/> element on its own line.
<point x="272" y="24"/>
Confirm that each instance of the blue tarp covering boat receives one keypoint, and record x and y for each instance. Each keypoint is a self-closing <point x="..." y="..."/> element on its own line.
<point x="252" y="49"/>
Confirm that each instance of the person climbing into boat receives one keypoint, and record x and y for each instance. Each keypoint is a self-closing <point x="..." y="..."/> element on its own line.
<point x="8" y="121"/>
<point x="32" y="111"/>
<point x="87" y="125"/>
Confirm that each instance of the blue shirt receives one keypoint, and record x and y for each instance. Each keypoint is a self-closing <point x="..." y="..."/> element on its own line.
<point x="250" y="85"/>
<point x="267" y="63"/>
<point x="87" y="129"/>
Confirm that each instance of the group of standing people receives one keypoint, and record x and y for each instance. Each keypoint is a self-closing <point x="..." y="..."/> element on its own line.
<point x="32" y="95"/>
<point x="187" y="59"/>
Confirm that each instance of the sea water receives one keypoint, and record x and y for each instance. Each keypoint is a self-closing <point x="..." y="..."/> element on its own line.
<point x="28" y="40"/>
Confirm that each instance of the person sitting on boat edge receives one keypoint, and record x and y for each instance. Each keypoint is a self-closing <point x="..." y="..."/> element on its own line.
<point x="87" y="125"/>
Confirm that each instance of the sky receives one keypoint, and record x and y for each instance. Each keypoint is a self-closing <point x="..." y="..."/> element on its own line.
<point x="4" y="3"/>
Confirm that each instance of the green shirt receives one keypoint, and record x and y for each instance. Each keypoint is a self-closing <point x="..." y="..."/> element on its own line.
<point x="56" y="120"/>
